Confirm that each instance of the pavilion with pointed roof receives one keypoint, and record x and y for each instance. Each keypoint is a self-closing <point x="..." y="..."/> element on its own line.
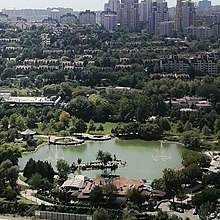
<point x="28" y="133"/>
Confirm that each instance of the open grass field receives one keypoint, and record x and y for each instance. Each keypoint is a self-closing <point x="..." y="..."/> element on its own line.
<point x="108" y="126"/>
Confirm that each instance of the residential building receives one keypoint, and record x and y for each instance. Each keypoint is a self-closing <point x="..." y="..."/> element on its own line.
<point x="204" y="5"/>
<point x="185" y="15"/>
<point x="69" y="19"/>
<point x="145" y="8"/>
<point x="3" y="17"/>
<point x="172" y="13"/>
<point x="212" y="18"/>
<point x="129" y="14"/>
<point x="166" y="28"/>
<point x="198" y="32"/>
<point x="112" y="5"/>
<point x="159" y="14"/>
<point x="109" y="20"/>
<point x="55" y="15"/>
<point x="87" y="17"/>
<point x="204" y="62"/>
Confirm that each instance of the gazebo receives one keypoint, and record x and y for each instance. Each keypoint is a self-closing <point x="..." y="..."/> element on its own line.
<point x="28" y="133"/>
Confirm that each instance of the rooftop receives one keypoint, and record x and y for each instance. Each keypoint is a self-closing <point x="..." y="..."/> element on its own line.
<point x="77" y="182"/>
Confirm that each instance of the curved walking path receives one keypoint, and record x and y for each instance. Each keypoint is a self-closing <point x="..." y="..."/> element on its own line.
<point x="30" y="194"/>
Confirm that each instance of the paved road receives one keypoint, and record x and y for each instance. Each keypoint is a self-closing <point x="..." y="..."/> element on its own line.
<point x="165" y="207"/>
<point x="30" y="194"/>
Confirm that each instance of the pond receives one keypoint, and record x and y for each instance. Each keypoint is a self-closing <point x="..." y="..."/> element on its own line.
<point x="145" y="159"/>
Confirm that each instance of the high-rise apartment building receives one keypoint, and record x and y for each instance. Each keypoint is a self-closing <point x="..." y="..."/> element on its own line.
<point x="159" y="14"/>
<point x="129" y="16"/>
<point x="87" y="17"/>
<point x="109" y="20"/>
<point x="55" y="14"/>
<point x="185" y="15"/>
<point x="166" y="28"/>
<point x="145" y="9"/>
<point x="113" y="5"/>
<point x="69" y="19"/>
<point x="204" y="5"/>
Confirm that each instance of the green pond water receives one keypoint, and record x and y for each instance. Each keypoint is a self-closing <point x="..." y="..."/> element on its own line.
<point x="144" y="159"/>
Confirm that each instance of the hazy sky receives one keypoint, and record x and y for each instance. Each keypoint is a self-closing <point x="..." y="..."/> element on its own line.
<point x="75" y="4"/>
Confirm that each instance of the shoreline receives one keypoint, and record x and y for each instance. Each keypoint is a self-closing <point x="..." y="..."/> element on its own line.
<point x="146" y="144"/>
<point x="87" y="141"/>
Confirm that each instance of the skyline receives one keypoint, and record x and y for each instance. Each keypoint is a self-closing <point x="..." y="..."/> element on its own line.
<point x="76" y="5"/>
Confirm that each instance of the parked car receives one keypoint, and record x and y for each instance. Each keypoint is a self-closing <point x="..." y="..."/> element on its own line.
<point x="178" y="209"/>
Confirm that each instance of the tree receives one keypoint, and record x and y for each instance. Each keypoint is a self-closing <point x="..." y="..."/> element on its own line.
<point x="104" y="157"/>
<point x="11" y="153"/>
<point x="5" y="122"/>
<point x="64" y="118"/>
<point x="81" y="108"/>
<point x="171" y="181"/>
<point x="63" y="169"/>
<point x="10" y="193"/>
<point x="29" y="168"/>
<point x="101" y="107"/>
<point x="217" y="126"/>
<point x="208" y="91"/>
<point x="191" y="139"/>
<point x="164" y="123"/>
<point x="8" y="73"/>
<point x="92" y="126"/>
<point x="12" y="120"/>
<point x="9" y="173"/>
<point x="96" y="195"/>
<point x="193" y="171"/>
<point x="37" y="182"/>
<point x="206" y="131"/>
<point x="101" y="214"/>
<point x="206" y="195"/>
<point x="31" y="118"/>
<point x="111" y="192"/>
<point x="43" y="168"/>
<point x="205" y="209"/>
<point x="100" y="128"/>
<point x="128" y="216"/>
<point x="188" y="126"/>
<point x="179" y="127"/>
<point x="135" y="196"/>
<point x="80" y="126"/>
<point x="192" y="157"/>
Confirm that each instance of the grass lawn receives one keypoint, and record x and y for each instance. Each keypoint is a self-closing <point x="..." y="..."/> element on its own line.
<point x="108" y="126"/>
<point x="23" y="200"/>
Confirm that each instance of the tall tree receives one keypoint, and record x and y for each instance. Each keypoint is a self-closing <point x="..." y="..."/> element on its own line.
<point x="63" y="169"/>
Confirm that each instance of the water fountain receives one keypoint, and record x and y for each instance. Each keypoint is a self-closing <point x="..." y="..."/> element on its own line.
<point x="161" y="153"/>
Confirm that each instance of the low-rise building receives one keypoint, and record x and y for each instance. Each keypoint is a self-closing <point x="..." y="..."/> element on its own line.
<point x="198" y="32"/>
<point x="35" y="101"/>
